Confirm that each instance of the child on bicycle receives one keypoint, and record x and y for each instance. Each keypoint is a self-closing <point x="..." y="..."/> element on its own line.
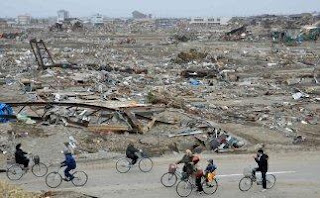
<point x="211" y="167"/>
<point x="70" y="163"/>
<point x="20" y="157"/>
<point x="199" y="173"/>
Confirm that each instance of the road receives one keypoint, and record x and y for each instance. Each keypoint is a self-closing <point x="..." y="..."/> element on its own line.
<point x="297" y="176"/>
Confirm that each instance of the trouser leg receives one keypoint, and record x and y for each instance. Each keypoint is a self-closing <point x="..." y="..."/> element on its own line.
<point x="264" y="180"/>
<point x="66" y="172"/>
<point x="254" y="172"/>
<point x="198" y="184"/>
<point x="134" y="159"/>
<point x="184" y="173"/>
<point x="26" y="163"/>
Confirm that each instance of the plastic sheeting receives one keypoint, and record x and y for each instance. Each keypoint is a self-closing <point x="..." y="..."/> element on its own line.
<point x="5" y="110"/>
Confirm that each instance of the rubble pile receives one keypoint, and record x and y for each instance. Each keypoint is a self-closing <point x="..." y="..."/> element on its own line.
<point x="108" y="86"/>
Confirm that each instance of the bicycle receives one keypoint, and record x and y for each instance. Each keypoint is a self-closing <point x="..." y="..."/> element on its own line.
<point x="170" y="178"/>
<point x="54" y="179"/>
<point x="16" y="171"/>
<point x="124" y="164"/>
<point x="209" y="185"/>
<point x="247" y="181"/>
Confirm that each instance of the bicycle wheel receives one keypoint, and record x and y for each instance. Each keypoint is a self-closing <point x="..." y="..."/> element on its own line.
<point x="39" y="170"/>
<point x="123" y="165"/>
<point x="53" y="180"/>
<point x="271" y="180"/>
<point x="184" y="188"/>
<point x="145" y="164"/>
<point x="245" y="184"/>
<point x="210" y="188"/>
<point x="15" y="172"/>
<point x="80" y="178"/>
<point x="169" y="179"/>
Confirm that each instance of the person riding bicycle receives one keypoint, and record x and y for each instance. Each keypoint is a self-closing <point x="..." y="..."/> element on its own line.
<point x="131" y="153"/>
<point x="70" y="163"/>
<point x="262" y="160"/>
<point x="198" y="172"/>
<point x="188" y="167"/>
<point x="20" y="157"/>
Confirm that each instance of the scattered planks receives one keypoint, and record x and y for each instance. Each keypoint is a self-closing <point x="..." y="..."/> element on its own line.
<point x="107" y="128"/>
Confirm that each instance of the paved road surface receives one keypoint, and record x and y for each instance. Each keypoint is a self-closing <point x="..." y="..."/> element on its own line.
<point x="302" y="180"/>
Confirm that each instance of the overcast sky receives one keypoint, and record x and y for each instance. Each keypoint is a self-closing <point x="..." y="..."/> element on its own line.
<point x="158" y="8"/>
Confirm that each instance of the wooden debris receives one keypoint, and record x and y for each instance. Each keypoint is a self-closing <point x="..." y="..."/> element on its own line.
<point x="134" y="122"/>
<point x="108" y="128"/>
<point x="185" y="134"/>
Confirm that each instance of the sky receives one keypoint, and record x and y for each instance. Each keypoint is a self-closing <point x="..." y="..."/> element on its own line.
<point x="158" y="8"/>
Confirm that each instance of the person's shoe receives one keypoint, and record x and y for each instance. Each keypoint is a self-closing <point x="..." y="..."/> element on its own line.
<point x="67" y="179"/>
<point x="264" y="190"/>
<point x="71" y="178"/>
<point x="210" y="185"/>
<point x="25" y="168"/>
<point x="199" y="191"/>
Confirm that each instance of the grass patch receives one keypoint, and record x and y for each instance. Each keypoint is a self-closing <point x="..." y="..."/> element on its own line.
<point x="10" y="191"/>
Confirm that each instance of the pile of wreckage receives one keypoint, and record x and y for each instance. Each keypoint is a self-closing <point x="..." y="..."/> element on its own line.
<point x="130" y="118"/>
<point x="12" y="35"/>
<point x="236" y="34"/>
<point x="72" y="24"/>
<point x="102" y="105"/>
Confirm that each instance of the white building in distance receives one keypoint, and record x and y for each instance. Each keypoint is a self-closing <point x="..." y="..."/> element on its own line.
<point x="62" y="15"/>
<point x="97" y="20"/>
<point x="209" y="21"/>
<point x="24" y="19"/>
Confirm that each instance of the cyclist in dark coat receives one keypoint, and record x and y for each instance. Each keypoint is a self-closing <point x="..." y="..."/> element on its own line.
<point x="20" y="156"/>
<point x="262" y="161"/>
<point x="131" y="153"/>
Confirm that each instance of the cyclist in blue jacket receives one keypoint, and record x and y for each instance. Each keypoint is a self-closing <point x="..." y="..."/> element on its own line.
<point x="70" y="163"/>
